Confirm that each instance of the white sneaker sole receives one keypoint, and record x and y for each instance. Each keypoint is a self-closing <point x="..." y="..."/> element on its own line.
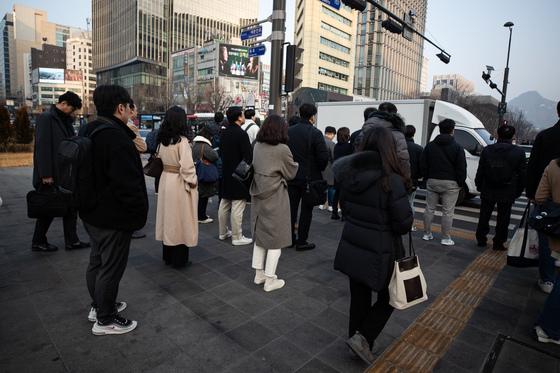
<point x="427" y="238"/>
<point x="103" y="330"/>
<point x="241" y="243"/>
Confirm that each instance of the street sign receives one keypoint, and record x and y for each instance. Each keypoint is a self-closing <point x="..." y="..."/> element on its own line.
<point x="258" y="50"/>
<point x="251" y="33"/>
<point x="334" y="3"/>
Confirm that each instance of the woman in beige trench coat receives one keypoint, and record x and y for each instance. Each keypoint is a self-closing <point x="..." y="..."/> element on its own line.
<point x="177" y="216"/>
<point x="273" y="166"/>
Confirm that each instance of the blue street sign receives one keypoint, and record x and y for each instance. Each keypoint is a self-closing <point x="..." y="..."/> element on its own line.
<point x="334" y="3"/>
<point x="251" y="33"/>
<point x="258" y="50"/>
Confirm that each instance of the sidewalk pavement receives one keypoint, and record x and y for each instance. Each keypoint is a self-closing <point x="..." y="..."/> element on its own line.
<point x="210" y="317"/>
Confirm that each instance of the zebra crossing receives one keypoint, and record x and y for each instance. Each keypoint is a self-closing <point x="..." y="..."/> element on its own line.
<point x="466" y="214"/>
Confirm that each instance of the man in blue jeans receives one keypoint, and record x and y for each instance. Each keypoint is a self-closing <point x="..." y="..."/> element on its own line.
<point x="544" y="150"/>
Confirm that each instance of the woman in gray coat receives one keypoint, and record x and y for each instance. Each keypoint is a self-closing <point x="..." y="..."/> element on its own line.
<point x="273" y="166"/>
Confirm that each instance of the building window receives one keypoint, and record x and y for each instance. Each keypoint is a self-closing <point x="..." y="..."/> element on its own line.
<point x="334" y="45"/>
<point x="333" y="74"/>
<point x="332" y="88"/>
<point x="335" y="15"/>
<point x="334" y="30"/>
<point x="332" y="59"/>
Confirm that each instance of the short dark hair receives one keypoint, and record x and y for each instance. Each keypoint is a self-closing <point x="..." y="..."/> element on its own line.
<point x="249" y="113"/>
<point x="108" y="97"/>
<point x="343" y="135"/>
<point x="446" y="126"/>
<point x="219" y="117"/>
<point x="388" y="107"/>
<point x="368" y="112"/>
<point x="506" y="132"/>
<point x="409" y="131"/>
<point x="330" y="129"/>
<point x="306" y="111"/>
<point x="274" y="130"/>
<point x="206" y="132"/>
<point x="294" y="119"/>
<point x="71" y="99"/>
<point x="233" y="113"/>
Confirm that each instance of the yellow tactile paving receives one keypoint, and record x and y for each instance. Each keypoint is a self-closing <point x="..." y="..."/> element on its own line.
<point x="425" y="341"/>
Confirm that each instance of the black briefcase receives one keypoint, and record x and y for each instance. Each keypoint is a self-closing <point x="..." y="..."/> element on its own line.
<point x="48" y="201"/>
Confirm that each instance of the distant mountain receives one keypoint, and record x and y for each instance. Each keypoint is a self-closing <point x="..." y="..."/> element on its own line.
<point x="538" y="110"/>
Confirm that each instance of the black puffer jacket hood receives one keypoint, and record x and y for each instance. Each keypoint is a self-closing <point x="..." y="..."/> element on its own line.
<point x="358" y="171"/>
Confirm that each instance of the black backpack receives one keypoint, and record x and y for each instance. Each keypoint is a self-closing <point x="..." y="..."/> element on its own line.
<point x="75" y="167"/>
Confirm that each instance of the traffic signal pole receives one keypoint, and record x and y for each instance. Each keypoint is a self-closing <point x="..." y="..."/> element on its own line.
<point x="277" y="45"/>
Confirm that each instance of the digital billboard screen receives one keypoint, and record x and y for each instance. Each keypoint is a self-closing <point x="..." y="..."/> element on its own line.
<point x="50" y="75"/>
<point x="73" y="75"/>
<point x="234" y="62"/>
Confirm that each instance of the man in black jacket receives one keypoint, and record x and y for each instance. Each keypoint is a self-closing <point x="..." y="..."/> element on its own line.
<point x="121" y="207"/>
<point x="312" y="161"/>
<point x="53" y="126"/>
<point x="444" y="166"/>
<point x="415" y="153"/>
<point x="234" y="148"/>
<point x="500" y="179"/>
<point x="545" y="149"/>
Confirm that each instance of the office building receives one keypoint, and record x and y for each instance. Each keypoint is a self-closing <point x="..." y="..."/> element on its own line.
<point x="389" y="66"/>
<point x="327" y="37"/>
<point x="49" y="83"/>
<point x="455" y="82"/>
<point x="79" y="57"/>
<point x="424" y="87"/>
<point x="136" y="54"/>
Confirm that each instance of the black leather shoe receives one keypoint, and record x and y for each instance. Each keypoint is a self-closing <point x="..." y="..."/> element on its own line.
<point x="335" y="217"/>
<point x="44" y="247"/>
<point x="305" y="246"/>
<point x="78" y="245"/>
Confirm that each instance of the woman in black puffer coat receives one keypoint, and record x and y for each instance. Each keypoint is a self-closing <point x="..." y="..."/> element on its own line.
<point x="377" y="212"/>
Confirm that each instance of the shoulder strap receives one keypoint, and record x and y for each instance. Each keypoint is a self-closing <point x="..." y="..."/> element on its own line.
<point x="100" y="128"/>
<point x="249" y="126"/>
<point x="309" y="155"/>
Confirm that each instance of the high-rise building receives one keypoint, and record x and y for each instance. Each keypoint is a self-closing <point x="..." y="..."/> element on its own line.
<point x="133" y="49"/>
<point x="79" y="58"/>
<point x="7" y="56"/>
<point x="327" y="37"/>
<point x="424" y="75"/>
<point x="389" y="66"/>
<point x="455" y="82"/>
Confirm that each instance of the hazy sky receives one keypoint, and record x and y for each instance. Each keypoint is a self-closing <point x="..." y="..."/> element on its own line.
<point x="471" y="31"/>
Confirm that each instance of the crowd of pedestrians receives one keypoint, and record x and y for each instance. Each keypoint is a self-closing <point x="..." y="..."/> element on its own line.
<point x="369" y="180"/>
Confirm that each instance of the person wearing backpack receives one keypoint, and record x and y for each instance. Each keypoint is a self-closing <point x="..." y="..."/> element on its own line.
<point x="120" y="206"/>
<point x="205" y="156"/>
<point x="53" y="126"/>
<point x="250" y="127"/>
<point x="500" y="179"/>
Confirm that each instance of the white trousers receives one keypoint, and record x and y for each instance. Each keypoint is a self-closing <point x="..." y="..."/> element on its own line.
<point x="266" y="259"/>
<point x="235" y="209"/>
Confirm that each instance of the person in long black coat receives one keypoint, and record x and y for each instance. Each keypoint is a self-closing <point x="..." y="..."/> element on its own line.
<point x="53" y="126"/>
<point x="234" y="147"/>
<point x="377" y="212"/>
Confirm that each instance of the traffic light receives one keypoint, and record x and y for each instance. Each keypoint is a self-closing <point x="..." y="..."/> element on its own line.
<point x="293" y="67"/>
<point x="392" y="26"/>
<point x="445" y="58"/>
<point x="359" y="5"/>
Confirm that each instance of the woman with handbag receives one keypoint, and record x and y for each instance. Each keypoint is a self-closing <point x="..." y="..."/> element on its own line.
<point x="205" y="158"/>
<point x="273" y="166"/>
<point x="548" y="323"/>
<point x="377" y="212"/>
<point x="176" y="217"/>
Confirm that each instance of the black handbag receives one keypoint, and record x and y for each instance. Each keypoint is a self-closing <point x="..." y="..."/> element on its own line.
<point x="243" y="172"/>
<point x="48" y="202"/>
<point x="154" y="167"/>
<point x="315" y="190"/>
<point x="547" y="221"/>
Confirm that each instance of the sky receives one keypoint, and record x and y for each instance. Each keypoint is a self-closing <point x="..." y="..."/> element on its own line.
<point x="471" y="31"/>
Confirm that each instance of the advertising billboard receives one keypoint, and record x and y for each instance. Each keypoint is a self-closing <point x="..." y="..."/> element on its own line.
<point x="72" y="75"/>
<point x="50" y="75"/>
<point x="234" y="62"/>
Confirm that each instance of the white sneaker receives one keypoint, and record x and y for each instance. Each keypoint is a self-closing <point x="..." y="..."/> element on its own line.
<point x="92" y="316"/>
<point x="225" y="236"/>
<point x="428" y="236"/>
<point x="242" y="241"/>
<point x="330" y="209"/>
<point x="546" y="286"/>
<point x="260" y="277"/>
<point x="447" y="242"/>
<point x="206" y="221"/>
<point x="321" y="207"/>
<point x="118" y="325"/>
<point x="543" y="337"/>
<point x="273" y="283"/>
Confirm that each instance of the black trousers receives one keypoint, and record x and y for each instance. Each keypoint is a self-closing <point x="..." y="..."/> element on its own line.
<point x="176" y="256"/>
<point x="502" y="221"/>
<point x="364" y="318"/>
<point x="336" y="200"/>
<point x="68" y="222"/>
<point x="202" y="204"/>
<point x="296" y="193"/>
<point x="107" y="263"/>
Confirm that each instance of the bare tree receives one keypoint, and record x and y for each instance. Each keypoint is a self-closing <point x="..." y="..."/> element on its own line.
<point x="524" y="130"/>
<point x="216" y="98"/>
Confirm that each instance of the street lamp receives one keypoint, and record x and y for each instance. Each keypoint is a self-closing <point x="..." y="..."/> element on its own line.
<point x="503" y="104"/>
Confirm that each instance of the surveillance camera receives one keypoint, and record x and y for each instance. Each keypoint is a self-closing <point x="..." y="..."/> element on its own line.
<point x="412" y="13"/>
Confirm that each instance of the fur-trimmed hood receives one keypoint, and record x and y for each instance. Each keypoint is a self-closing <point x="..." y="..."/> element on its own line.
<point x="357" y="172"/>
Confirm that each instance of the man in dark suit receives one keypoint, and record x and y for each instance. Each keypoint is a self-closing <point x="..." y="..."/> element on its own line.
<point x="234" y="147"/>
<point x="53" y="126"/>
<point x="312" y="161"/>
